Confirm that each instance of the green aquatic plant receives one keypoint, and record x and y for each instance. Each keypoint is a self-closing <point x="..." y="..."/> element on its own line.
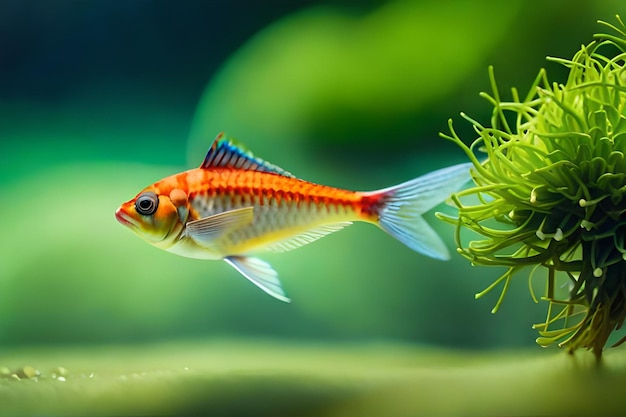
<point x="552" y="193"/>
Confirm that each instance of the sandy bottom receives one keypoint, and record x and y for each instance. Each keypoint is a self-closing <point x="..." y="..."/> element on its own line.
<point x="273" y="378"/>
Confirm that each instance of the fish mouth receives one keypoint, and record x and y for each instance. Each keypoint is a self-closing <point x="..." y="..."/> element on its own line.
<point x="124" y="218"/>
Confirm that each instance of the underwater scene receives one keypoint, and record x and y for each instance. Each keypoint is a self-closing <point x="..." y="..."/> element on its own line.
<point x="312" y="208"/>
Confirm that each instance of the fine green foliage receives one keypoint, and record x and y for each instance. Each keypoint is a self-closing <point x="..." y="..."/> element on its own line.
<point x="551" y="192"/>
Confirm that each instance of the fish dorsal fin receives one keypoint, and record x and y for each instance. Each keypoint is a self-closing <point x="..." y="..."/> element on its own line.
<point x="224" y="153"/>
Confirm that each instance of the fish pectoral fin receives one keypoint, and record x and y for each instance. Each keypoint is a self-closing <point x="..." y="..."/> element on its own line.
<point x="206" y="230"/>
<point x="260" y="273"/>
<point x="307" y="237"/>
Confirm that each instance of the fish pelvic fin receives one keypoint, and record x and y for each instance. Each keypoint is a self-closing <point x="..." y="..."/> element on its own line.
<point x="400" y="207"/>
<point x="260" y="273"/>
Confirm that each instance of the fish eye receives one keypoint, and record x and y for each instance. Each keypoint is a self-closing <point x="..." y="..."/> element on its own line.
<point x="147" y="203"/>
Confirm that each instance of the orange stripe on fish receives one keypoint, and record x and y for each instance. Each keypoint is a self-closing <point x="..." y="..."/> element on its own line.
<point x="236" y="205"/>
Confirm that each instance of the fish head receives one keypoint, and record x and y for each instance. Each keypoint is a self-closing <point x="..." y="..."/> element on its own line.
<point x="156" y="217"/>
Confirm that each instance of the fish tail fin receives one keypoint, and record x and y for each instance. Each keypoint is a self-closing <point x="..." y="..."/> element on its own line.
<point x="399" y="208"/>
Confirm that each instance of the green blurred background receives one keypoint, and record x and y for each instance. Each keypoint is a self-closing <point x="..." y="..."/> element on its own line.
<point x="101" y="98"/>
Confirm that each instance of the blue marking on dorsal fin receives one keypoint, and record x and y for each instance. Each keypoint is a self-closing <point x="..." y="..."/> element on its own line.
<point x="224" y="153"/>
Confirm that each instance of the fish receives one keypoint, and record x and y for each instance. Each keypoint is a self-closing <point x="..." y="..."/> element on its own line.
<point x="236" y="206"/>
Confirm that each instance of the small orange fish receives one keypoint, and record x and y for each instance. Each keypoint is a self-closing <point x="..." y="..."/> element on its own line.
<point x="235" y="205"/>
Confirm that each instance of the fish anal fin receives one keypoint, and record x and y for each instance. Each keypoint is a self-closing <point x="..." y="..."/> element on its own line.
<point x="224" y="153"/>
<point x="204" y="231"/>
<point x="294" y="242"/>
<point x="260" y="273"/>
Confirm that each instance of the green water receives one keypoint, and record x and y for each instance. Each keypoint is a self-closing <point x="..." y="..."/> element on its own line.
<point x="90" y="114"/>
